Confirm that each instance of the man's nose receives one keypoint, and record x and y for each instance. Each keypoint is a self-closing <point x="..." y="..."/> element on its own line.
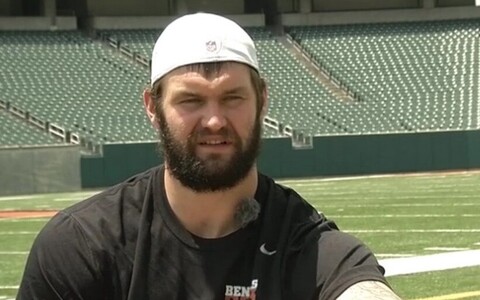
<point x="214" y="118"/>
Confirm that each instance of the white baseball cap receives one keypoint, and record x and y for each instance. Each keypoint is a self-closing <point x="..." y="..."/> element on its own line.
<point x="199" y="38"/>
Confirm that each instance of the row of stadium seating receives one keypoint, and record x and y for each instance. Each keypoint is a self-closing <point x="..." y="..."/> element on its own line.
<point x="139" y="40"/>
<point x="418" y="76"/>
<point x="290" y="83"/>
<point x="70" y="80"/>
<point x="403" y="77"/>
<point x="15" y="132"/>
<point x="82" y="85"/>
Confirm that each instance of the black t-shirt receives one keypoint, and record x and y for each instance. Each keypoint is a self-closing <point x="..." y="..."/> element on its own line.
<point x="126" y="243"/>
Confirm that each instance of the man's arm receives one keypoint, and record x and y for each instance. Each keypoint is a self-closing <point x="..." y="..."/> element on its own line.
<point x="368" y="290"/>
<point x="347" y="269"/>
<point x="61" y="264"/>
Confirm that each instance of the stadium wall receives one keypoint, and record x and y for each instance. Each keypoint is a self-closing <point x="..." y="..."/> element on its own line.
<point x="215" y="6"/>
<point x="29" y="170"/>
<point x="10" y="8"/>
<point x="330" y="156"/>
<point x="380" y="16"/>
<point x="455" y="2"/>
<point x="130" y="8"/>
<point x="308" y="6"/>
<point x="162" y="8"/>
<point x="118" y="162"/>
<point x="338" y="5"/>
<point x="374" y="154"/>
<point x="146" y="22"/>
<point x="38" y="23"/>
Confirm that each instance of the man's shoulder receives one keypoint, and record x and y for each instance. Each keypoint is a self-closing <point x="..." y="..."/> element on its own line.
<point x="301" y="223"/>
<point x="281" y="198"/>
<point x="117" y="204"/>
<point x="105" y="218"/>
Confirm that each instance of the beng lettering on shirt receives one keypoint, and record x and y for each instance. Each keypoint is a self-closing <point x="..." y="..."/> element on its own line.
<point x="238" y="292"/>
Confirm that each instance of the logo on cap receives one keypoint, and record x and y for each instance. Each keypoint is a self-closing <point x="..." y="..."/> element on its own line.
<point x="213" y="46"/>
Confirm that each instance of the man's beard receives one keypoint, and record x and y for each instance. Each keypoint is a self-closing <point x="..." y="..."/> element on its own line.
<point x="211" y="173"/>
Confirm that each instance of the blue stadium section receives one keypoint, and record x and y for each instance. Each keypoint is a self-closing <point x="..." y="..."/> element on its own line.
<point x="417" y="76"/>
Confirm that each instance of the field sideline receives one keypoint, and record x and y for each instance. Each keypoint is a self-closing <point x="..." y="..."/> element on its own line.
<point x="396" y="216"/>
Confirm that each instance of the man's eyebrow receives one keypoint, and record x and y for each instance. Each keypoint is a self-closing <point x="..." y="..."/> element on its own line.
<point x="236" y="90"/>
<point x="185" y="94"/>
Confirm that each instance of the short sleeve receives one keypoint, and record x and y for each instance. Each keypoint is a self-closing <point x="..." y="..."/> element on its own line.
<point x="342" y="261"/>
<point x="61" y="264"/>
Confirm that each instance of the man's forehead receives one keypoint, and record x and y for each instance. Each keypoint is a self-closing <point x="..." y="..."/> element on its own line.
<point x="234" y="73"/>
<point x="210" y="69"/>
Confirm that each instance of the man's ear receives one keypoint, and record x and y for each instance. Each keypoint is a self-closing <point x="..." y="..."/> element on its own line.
<point x="265" y="102"/>
<point x="149" y="104"/>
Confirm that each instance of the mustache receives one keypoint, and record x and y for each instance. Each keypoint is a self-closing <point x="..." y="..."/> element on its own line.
<point x="224" y="133"/>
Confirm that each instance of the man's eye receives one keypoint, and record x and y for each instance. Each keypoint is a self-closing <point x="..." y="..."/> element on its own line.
<point x="190" y="101"/>
<point x="233" y="98"/>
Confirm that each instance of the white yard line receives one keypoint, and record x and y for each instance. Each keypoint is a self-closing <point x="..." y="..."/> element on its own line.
<point x="75" y="195"/>
<point x="428" y="263"/>
<point x="413" y="230"/>
<point x="426" y="175"/>
<point x="16" y="198"/>
<point x="406" y="216"/>
<point x="391" y="255"/>
<point x="331" y="192"/>
<point x="455" y="296"/>
<point x="23" y="220"/>
<point x="445" y="249"/>
<point x="17" y="232"/>
<point x="13" y="252"/>
<point x="74" y="198"/>
<point x="9" y="287"/>
<point x="343" y="205"/>
<point x="68" y="199"/>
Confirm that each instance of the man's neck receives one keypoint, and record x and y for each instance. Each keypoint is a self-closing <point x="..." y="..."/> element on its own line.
<point x="209" y="214"/>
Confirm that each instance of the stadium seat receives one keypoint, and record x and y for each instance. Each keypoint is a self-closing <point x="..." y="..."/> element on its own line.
<point x="424" y="72"/>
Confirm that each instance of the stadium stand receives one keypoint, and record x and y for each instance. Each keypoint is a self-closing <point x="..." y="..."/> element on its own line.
<point x="404" y="77"/>
<point x="15" y="132"/>
<point x="400" y="80"/>
<point x="138" y="40"/>
<point x="79" y="84"/>
<point x="67" y="79"/>
<point x="290" y="83"/>
<point x="291" y="86"/>
<point x="416" y="76"/>
<point x="142" y="41"/>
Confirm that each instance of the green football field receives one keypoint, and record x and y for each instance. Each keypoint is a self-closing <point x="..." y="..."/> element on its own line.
<point x="397" y="216"/>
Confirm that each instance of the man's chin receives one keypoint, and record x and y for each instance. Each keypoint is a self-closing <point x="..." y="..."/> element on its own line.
<point x="216" y="166"/>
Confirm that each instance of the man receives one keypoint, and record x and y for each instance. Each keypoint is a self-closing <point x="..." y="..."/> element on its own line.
<point x="206" y="225"/>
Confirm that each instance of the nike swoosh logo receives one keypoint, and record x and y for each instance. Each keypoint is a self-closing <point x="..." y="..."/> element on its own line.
<point x="265" y="251"/>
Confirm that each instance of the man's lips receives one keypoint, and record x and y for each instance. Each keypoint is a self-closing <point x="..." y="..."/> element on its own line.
<point x="214" y="143"/>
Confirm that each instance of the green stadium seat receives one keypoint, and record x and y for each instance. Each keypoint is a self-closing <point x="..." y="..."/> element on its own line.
<point x="423" y="72"/>
<point x="17" y="132"/>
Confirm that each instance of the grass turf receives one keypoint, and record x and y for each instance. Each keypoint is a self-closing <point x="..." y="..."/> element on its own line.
<point x="392" y="215"/>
